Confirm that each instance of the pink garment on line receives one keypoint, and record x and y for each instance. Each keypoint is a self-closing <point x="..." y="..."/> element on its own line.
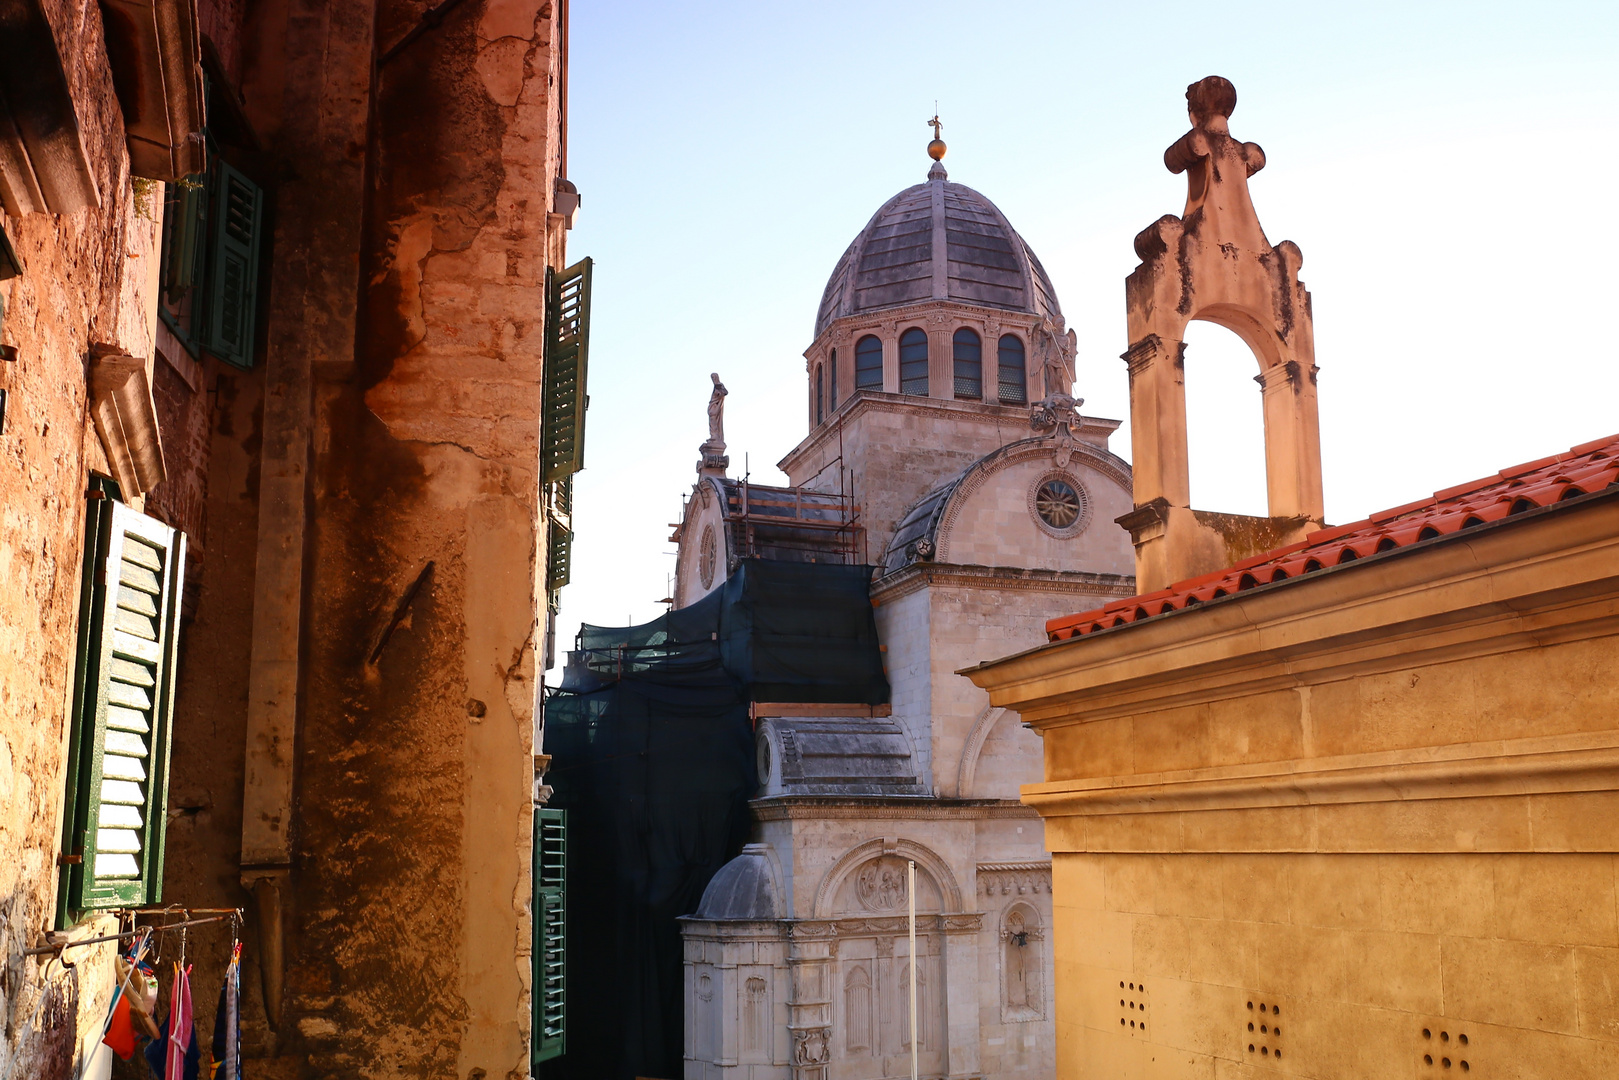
<point x="179" y="1023"/>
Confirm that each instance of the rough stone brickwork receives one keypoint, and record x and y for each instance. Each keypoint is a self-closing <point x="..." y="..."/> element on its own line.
<point x="86" y="281"/>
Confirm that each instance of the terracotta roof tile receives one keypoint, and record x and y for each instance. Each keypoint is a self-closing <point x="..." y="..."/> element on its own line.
<point x="1586" y="468"/>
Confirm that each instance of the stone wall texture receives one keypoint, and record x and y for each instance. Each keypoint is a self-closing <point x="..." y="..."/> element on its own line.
<point x="86" y="281"/>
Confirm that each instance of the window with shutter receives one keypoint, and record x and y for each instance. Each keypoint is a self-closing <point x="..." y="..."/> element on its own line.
<point x="118" y="768"/>
<point x="237" y="213"/>
<point x="212" y="227"/>
<point x="567" y="317"/>
<point x="550" y="934"/>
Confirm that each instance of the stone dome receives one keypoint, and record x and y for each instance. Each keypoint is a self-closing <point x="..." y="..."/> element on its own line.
<point x="744" y="888"/>
<point x="937" y="241"/>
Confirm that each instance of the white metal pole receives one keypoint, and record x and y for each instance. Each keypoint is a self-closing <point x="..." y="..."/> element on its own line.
<point x="910" y="891"/>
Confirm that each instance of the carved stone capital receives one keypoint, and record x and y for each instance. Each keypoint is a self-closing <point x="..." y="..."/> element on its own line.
<point x="1141" y="355"/>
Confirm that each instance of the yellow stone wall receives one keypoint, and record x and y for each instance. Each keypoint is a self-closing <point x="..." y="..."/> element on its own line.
<point x="1385" y="800"/>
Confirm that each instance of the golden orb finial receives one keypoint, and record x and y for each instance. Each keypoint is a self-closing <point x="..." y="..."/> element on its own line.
<point x="936" y="148"/>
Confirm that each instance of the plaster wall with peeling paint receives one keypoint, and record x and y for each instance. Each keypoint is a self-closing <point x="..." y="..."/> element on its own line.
<point x="353" y="756"/>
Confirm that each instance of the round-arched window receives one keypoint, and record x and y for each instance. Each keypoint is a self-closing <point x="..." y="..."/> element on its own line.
<point x="868" y="363"/>
<point x="913" y="362"/>
<point x="1012" y="373"/>
<point x="820" y="394"/>
<point x="967" y="352"/>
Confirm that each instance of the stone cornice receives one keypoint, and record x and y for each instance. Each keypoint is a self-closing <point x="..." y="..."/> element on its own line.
<point x="1516" y="767"/>
<point x="965" y="922"/>
<point x="897" y="808"/>
<point x="1521" y="583"/>
<point x="891" y="587"/>
<point x="875" y="320"/>
<point x="1095" y="429"/>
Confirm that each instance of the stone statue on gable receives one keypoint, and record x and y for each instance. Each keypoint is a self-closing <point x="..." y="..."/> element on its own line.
<point x="713" y="448"/>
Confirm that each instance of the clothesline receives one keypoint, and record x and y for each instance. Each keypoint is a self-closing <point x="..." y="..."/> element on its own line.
<point x="56" y="947"/>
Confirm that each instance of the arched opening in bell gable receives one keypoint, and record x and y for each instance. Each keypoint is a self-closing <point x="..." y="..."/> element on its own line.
<point x="1225" y="422"/>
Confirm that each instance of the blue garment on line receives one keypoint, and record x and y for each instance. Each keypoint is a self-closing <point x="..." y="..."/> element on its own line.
<point x="155" y="1054"/>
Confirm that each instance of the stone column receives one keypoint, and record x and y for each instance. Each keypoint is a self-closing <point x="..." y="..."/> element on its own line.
<point x="809" y="1010"/>
<point x="960" y="935"/>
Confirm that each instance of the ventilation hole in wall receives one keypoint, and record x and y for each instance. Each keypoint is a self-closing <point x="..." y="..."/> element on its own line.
<point x="1250" y="1048"/>
<point x="1276" y="1031"/>
<point x="1465" y="1066"/>
<point x="1276" y="1010"/>
<point x="1444" y="1036"/>
<point x="1263" y="1030"/>
<point x="1462" y="1039"/>
<point x="1278" y="1052"/>
<point x="1426" y="1034"/>
<point x="1264" y="1051"/>
<point x="1427" y="1059"/>
<point x="1445" y="1062"/>
<point x="1121" y="1021"/>
<point x="1250" y="1025"/>
<point x="1121" y="984"/>
<point x="1250" y="1004"/>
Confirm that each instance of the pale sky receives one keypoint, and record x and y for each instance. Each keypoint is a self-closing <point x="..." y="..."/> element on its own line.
<point x="1446" y="169"/>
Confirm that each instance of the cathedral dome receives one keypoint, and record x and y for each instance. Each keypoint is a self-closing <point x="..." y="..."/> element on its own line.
<point x="937" y="241"/>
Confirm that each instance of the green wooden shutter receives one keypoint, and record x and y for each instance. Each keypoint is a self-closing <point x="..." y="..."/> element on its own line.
<point x="567" y="348"/>
<point x="235" y="222"/>
<point x="118" y="769"/>
<point x="550" y="934"/>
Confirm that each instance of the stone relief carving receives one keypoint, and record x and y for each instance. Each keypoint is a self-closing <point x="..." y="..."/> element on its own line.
<point x="1057" y="415"/>
<point x="755" y="1016"/>
<point x="810" y="1045"/>
<point x="1014" y="879"/>
<point x="881" y="885"/>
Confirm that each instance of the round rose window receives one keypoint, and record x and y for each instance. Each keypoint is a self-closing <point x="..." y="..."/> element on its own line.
<point x="1060" y="504"/>
<point x="707" y="558"/>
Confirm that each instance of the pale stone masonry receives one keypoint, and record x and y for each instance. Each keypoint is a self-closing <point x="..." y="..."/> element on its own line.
<point x="986" y="503"/>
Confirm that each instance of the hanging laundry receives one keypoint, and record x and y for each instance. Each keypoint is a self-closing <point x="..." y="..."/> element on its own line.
<point x="133" y="1001"/>
<point x="157" y="1057"/>
<point x="121" y="1032"/>
<point x="227" y="1046"/>
<point x="181" y="1033"/>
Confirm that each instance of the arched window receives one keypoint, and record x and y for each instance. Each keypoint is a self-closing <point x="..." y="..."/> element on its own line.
<point x="832" y="398"/>
<point x="968" y="352"/>
<point x="820" y="395"/>
<point x="913" y="362"/>
<point x="868" y="364"/>
<point x="1013" y="375"/>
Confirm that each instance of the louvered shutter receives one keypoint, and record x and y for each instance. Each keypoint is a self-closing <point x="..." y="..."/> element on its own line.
<point x="550" y="934"/>
<point x="123" y="710"/>
<point x="567" y="349"/>
<point x="236" y="218"/>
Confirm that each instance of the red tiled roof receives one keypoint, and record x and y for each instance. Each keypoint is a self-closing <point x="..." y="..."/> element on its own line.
<point x="1586" y="468"/>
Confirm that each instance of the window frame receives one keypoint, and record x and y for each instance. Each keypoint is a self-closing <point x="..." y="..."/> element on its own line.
<point x="973" y="365"/>
<point x="100" y="660"/>
<point x="1021" y="368"/>
<point x="913" y="384"/>
<point x="863" y="368"/>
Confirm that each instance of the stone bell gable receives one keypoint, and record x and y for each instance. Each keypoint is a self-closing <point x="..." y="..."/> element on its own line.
<point x="1214" y="263"/>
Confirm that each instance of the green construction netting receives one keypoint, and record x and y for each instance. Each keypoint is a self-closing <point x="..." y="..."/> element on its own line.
<point x="652" y="751"/>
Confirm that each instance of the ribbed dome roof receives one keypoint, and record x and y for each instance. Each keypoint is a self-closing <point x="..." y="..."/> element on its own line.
<point x="937" y="241"/>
